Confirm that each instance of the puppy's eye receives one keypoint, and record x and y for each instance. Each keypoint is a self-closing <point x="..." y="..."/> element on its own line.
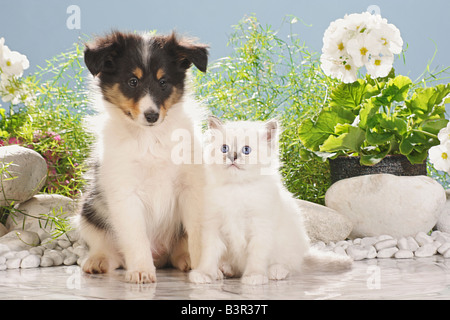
<point x="163" y="83"/>
<point x="246" y="150"/>
<point x="133" y="82"/>
<point x="224" y="148"/>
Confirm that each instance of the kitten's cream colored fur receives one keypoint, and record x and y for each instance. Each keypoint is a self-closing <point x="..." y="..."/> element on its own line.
<point x="252" y="226"/>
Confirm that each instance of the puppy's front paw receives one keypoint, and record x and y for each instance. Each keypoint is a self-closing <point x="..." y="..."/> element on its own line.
<point x="278" y="272"/>
<point x="96" y="264"/>
<point x="255" y="279"/>
<point x="145" y="276"/>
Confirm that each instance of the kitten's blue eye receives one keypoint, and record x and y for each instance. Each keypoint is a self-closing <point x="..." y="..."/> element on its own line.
<point x="225" y="148"/>
<point x="246" y="150"/>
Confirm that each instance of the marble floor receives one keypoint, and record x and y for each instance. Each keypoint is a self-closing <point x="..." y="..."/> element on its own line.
<point x="419" y="278"/>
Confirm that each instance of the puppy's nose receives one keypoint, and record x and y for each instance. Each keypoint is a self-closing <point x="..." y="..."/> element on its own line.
<point x="151" y="116"/>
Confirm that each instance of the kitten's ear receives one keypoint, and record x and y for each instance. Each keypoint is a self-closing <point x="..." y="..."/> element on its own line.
<point x="214" y="122"/>
<point x="272" y="129"/>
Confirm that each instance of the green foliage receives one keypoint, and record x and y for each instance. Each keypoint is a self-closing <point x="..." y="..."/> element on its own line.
<point x="49" y="120"/>
<point x="268" y="76"/>
<point x="373" y="118"/>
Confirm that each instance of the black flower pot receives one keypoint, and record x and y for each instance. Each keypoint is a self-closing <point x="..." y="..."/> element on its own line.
<point x="399" y="165"/>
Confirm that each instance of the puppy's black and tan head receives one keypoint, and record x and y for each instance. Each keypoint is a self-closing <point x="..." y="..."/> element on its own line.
<point x="143" y="75"/>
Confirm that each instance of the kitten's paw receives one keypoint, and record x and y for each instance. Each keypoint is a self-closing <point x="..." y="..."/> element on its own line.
<point x="140" y="276"/>
<point x="255" y="279"/>
<point x="96" y="264"/>
<point x="278" y="272"/>
<point x="196" y="276"/>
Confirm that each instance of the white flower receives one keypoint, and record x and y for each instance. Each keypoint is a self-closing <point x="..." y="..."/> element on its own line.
<point x="380" y="65"/>
<point x="440" y="156"/>
<point x="362" y="47"/>
<point x="360" y="40"/>
<point x="341" y="68"/>
<point x="12" y="63"/>
<point x="444" y="134"/>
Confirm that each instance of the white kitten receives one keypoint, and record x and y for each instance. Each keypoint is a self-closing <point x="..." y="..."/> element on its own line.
<point x="252" y="226"/>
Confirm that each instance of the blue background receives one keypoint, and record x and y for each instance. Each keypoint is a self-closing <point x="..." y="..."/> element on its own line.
<point x="38" y="28"/>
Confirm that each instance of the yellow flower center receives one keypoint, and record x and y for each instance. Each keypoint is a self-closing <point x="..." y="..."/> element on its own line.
<point x="348" y="67"/>
<point x="377" y="62"/>
<point x="8" y="63"/>
<point x="444" y="155"/>
<point x="384" y="41"/>
<point x="341" y="46"/>
<point x="363" y="51"/>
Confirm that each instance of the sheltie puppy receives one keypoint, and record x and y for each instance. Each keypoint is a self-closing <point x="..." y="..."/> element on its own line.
<point x="140" y="209"/>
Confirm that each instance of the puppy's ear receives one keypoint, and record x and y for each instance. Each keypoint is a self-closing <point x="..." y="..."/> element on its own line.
<point x="99" y="55"/>
<point x="188" y="53"/>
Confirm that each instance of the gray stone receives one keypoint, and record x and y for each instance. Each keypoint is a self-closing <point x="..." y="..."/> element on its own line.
<point x="18" y="240"/>
<point x="404" y="254"/>
<point x="324" y="224"/>
<point x="13" y="263"/>
<point x="427" y="250"/>
<point x="41" y="204"/>
<point x="3" y="230"/>
<point x="422" y="238"/>
<point x="387" y="204"/>
<point x="30" y="261"/>
<point x="387" y="252"/>
<point x="24" y="175"/>
<point x="443" y="248"/>
<point x="357" y="252"/>
<point x="383" y="244"/>
<point x="46" y="261"/>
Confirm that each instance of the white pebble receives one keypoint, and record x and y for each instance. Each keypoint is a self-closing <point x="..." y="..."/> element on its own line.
<point x="10" y="255"/>
<point x="447" y="254"/>
<point x="387" y="252"/>
<point x="372" y="252"/>
<point x="3" y="267"/>
<point x="402" y="244"/>
<point x="64" y="243"/>
<point x="70" y="260"/>
<point x="22" y="254"/>
<point x="422" y="238"/>
<point x="13" y="263"/>
<point x="46" y="261"/>
<point x="357" y="252"/>
<point x="30" y="261"/>
<point x="4" y="248"/>
<point x="340" y="250"/>
<point x="426" y="250"/>
<point x="50" y="244"/>
<point x="412" y="244"/>
<point x="369" y="241"/>
<point x="384" y="237"/>
<point x="37" y="251"/>
<point x="384" y="244"/>
<point x="404" y="254"/>
<point x="2" y="260"/>
<point x="444" y="247"/>
<point x="56" y="256"/>
<point x="82" y="251"/>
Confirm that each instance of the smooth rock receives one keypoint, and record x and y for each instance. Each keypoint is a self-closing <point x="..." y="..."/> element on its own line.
<point x="443" y="223"/>
<point x="383" y="244"/>
<point x="446" y="254"/>
<point x="3" y="230"/>
<point x="22" y="254"/>
<point x="404" y="254"/>
<point x="30" y="261"/>
<point x="324" y="224"/>
<point x="70" y="260"/>
<point x="422" y="239"/>
<point x="37" y="251"/>
<point x="56" y="256"/>
<point x="387" y="204"/>
<point x="2" y="260"/>
<point x="357" y="252"/>
<point x="18" y="240"/>
<point x="340" y="250"/>
<point x="372" y="252"/>
<point x="46" y="261"/>
<point x="425" y="251"/>
<point x="443" y="248"/>
<point x="13" y="263"/>
<point x="387" y="253"/>
<point x="402" y="244"/>
<point x="29" y="170"/>
<point x="64" y="243"/>
<point x="4" y="248"/>
<point x="41" y="204"/>
<point x="412" y="244"/>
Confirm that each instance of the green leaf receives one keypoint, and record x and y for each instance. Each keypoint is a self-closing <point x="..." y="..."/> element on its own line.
<point x="430" y="101"/>
<point x="397" y="88"/>
<point x="349" y="95"/>
<point x="349" y="141"/>
<point x="371" y="159"/>
<point x="417" y="157"/>
<point x="367" y="112"/>
<point x="313" y="134"/>
<point x="434" y="125"/>
<point x="376" y="138"/>
<point x="393" y="123"/>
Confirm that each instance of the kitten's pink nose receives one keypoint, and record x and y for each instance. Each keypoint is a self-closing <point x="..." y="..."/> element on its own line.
<point x="232" y="156"/>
